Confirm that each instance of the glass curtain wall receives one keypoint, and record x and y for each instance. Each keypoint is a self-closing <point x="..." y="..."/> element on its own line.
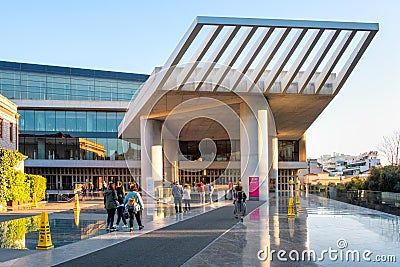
<point x="78" y="135"/>
<point x="47" y="86"/>
<point x="227" y="150"/>
<point x="288" y="150"/>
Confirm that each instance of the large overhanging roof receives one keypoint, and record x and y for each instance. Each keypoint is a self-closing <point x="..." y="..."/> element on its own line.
<point x="284" y="59"/>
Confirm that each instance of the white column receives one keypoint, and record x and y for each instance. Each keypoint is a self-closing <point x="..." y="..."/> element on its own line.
<point x="248" y="145"/>
<point x="274" y="170"/>
<point x="263" y="140"/>
<point x="157" y="169"/>
<point x="170" y="160"/>
<point x="150" y="134"/>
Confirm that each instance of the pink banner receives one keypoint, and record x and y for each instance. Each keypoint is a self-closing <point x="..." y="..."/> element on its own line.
<point x="254" y="187"/>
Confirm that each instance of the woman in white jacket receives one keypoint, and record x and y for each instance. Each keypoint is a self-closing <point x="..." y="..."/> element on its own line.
<point x="186" y="197"/>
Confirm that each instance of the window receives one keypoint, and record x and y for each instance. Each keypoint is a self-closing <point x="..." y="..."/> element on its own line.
<point x="11" y="132"/>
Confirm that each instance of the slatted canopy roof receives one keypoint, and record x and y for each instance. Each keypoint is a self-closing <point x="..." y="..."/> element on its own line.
<point x="284" y="59"/>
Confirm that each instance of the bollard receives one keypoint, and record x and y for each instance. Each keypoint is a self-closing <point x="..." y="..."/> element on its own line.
<point x="44" y="242"/>
<point x="76" y="202"/>
<point x="34" y="201"/>
<point x="291" y="213"/>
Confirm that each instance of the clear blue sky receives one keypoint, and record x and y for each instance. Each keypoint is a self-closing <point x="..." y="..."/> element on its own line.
<point x="136" y="36"/>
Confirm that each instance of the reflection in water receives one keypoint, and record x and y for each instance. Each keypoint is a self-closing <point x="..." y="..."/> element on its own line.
<point x="77" y="213"/>
<point x="23" y="233"/>
<point x="276" y="230"/>
<point x="291" y="227"/>
<point x="12" y="233"/>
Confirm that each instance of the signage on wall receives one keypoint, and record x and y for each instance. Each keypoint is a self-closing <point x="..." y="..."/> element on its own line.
<point x="254" y="187"/>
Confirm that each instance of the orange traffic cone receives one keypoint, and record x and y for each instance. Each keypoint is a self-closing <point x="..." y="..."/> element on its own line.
<point x="44" y="233"/>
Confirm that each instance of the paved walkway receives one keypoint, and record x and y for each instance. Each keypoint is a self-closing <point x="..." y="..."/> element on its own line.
<point x="209" y="236"/>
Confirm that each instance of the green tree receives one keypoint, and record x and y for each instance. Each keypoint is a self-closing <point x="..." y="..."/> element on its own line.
<point x="9" y="160"/>
<point x="355" y="184"/>
<point x="386" y="179"/>
<point x="37" y="185"/>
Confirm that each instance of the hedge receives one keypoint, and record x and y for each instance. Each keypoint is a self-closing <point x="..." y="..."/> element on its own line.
<point x="14" y="184"/>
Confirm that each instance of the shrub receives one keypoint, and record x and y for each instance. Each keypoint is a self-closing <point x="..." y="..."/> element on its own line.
<point x="37" y="184"/>
<point x="14" y="184"/>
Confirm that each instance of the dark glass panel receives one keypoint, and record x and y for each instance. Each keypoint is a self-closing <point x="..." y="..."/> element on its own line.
<point x="102" y="122"/>
<point x="112" y="122"/>
<point x="70" y="121"/>
<point x="50" y="120"/>
<point x="21" y="119"/>
<point x="81" y="123"/>
<point x="40" y="121"/>
<point x="60" y="121"/>
<point x="91" y="122"/>
<point x="29" y="120"/>
<point x="112" y="151"/>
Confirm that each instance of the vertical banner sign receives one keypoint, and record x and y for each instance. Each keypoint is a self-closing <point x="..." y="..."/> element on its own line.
<point x="254" y="187"/>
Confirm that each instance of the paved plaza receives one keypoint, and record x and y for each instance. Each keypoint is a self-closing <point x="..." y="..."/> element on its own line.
<point x="210" y="236"/>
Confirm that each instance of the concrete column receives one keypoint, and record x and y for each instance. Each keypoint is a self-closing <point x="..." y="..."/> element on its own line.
<point x="274" y="170"/>
<point x="248" y="145"/>
<point x="263" y="141"/>
<point x="157" y="168"/>
<point x="302" y="148"/>
<point x="150" y="134"/>
<point x="170" y="159"/>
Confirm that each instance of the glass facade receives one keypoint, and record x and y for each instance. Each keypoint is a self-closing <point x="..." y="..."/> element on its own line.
<point x="70" y="134"/>
<point x="288" y="150"/>
<point x="227" y="150"/>
<point x="39" y="82"/>
<point x="75" y="135"/>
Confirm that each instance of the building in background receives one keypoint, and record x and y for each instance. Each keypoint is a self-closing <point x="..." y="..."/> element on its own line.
<point x="339" y="168"/>
<point x="8" y="124"/>
<point x="69" y="121"/>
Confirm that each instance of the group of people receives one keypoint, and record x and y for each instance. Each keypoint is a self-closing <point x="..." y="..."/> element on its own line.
<point x="183" y="194"/>
<point x="115" y="199"/>
<point x="206" y="191"/>
<point x="180" y="194"/>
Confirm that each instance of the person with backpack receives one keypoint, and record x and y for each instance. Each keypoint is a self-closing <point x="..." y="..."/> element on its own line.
<point x="239" y="202"/>
<point x="110" y="204"/>
<point x="134" y="203"/>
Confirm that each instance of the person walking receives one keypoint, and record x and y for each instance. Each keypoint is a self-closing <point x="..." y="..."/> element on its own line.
<point x="134" y="203"/>
<point x="230" y="190"/>
<point x="239" y="202"/>
<point x="84" y="192"/>
<point x="210" y="191"/>
<point x="121" y="208"/>
<point x="186" y="197"/>
<point x="177" y="193"/>
<point x="110" y="204"/>
<point x="202" y="192"/>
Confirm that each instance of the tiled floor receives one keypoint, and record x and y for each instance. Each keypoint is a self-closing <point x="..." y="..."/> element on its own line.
<point x="343" y="230"/>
